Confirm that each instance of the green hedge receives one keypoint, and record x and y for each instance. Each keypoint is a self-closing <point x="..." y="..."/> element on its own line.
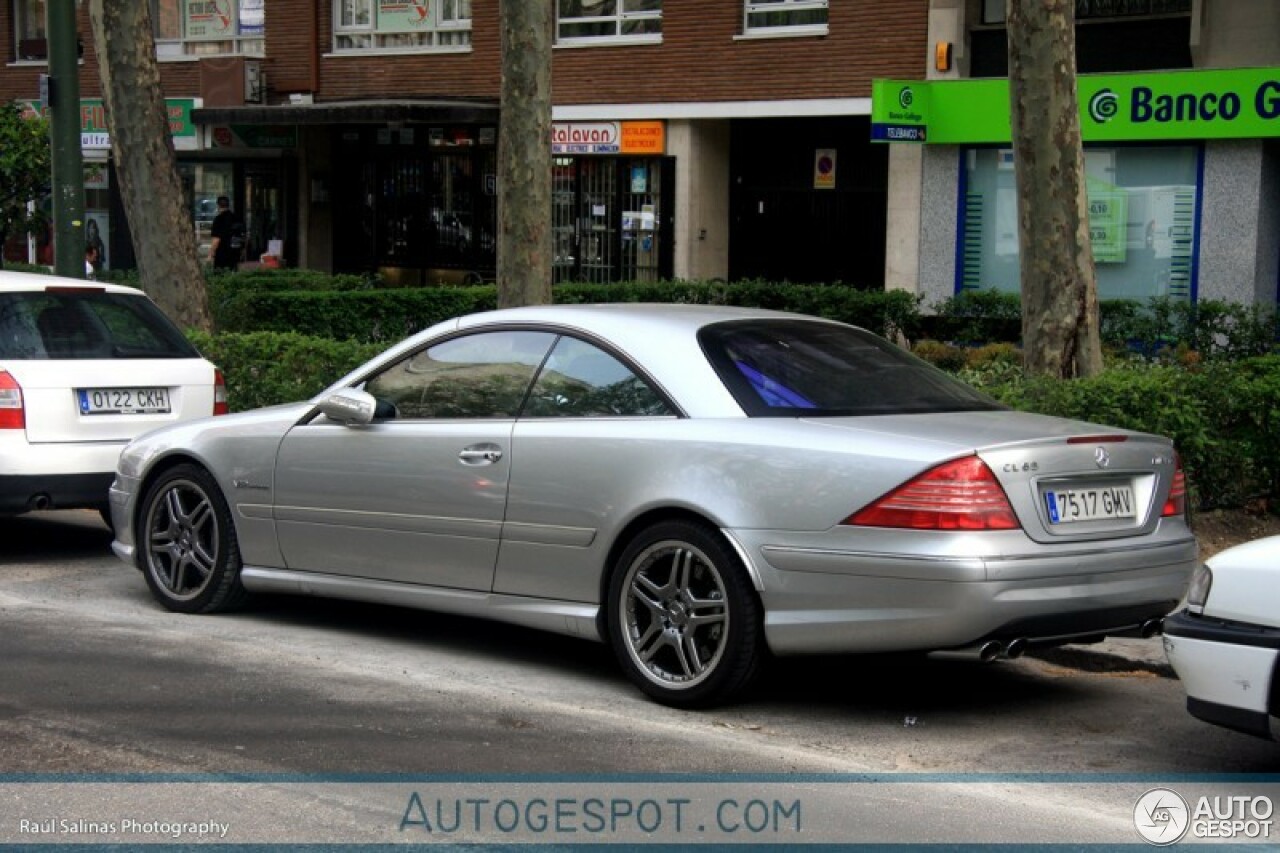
<point x="1223" y="416"/>
<point x="385" y="315"/>
<point x="1162" y="325"/>
<point x="265" y="368"/>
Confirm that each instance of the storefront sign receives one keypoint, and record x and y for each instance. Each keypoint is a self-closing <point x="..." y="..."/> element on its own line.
<point x="1238" y="103"/>
<point x="209" y="19"/>
<point x="96" y="136"/>
<point x="255" y="136"/>
<point x="608" y="137"/>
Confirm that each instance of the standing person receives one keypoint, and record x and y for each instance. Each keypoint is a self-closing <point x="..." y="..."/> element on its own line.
<point x="92" y="256"/>
<point x="228" y="237"/>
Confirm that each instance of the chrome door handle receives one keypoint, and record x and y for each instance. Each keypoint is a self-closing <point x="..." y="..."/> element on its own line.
<point x="483" y="455"/>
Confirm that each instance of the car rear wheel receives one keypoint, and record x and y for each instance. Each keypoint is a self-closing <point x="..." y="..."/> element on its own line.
<point x="190" y="555"/>
<point x="683" y="619"/>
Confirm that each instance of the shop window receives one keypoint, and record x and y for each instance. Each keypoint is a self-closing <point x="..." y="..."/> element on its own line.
<point x="209" y="27"/>
<point x="361" y="25"/>
<point x="785" y="17"/>
<point x="591" y="21"/>
<point x="1143" y="218"/>
<point x="28" y="31"/>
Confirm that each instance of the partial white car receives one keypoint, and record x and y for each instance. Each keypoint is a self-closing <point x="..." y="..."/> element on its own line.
<point x="86" y="367"/>
<point x="1225" y="644"/>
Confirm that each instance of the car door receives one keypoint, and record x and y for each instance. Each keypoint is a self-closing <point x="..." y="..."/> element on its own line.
<point x="417" y="496"/>
<point x="588" y="445"/>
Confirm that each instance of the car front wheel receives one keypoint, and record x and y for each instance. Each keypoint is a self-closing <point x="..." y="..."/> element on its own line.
<point x="191" y="557"/>
<point x="684" y="621"/>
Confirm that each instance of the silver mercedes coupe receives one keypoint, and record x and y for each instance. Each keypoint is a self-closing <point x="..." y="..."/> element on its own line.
<point x="695" y="486"/>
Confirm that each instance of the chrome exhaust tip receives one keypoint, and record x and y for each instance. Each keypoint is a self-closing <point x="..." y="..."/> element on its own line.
<point x="1152" y="627"/>
<point x="989" y="651"/>
<point x="1016" y="648"/>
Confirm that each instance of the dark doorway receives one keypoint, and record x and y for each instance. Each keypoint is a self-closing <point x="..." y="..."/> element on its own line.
<point x="799" y="214"/>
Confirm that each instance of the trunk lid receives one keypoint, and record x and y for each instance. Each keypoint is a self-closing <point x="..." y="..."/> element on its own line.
<point x="1066" y="480"/>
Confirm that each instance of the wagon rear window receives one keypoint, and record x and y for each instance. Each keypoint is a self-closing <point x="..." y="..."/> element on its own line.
<point x="71" y="324"/>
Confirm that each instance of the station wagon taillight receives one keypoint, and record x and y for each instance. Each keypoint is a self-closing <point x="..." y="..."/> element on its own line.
<point x="13" y="415"/>
<point x="1176" y="503"/>
<point x="959" y="495"/>
<point x="219" y="394"/>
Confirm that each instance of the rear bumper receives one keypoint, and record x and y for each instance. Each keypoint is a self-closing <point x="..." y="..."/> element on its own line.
<point x="1231" y="672"/>
<point x="24" y="493"/>
<point x="836" y="601"/>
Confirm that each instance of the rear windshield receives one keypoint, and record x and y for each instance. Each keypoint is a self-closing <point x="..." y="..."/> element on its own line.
<point x="75" y="324"/>
<point x="802" y="368"/>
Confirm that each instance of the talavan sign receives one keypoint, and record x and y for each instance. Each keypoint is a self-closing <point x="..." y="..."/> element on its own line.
<point x="608" y="137"/>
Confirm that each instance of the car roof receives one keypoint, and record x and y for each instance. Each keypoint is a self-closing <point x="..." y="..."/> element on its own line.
<point x="662" y="338"/>
<point x="12" y="281"/>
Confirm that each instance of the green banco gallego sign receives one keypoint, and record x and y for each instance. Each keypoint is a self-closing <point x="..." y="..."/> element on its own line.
<point x="1239" y="103"/>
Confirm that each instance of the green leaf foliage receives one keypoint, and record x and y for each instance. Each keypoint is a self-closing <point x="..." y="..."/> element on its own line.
<point x="24" y="171"/>
<point x="266" y="368"/>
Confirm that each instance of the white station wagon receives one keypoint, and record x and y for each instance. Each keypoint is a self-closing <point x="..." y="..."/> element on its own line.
<point x="84" y="368"/>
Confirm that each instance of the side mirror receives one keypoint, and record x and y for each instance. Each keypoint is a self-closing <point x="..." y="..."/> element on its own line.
<point x="349" y="406"/>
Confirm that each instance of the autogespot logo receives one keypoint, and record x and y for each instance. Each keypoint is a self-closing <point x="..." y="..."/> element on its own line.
<point x="1103" y="106"/>
<point x="906" y="98"/>
<point x="1161" y="816"/>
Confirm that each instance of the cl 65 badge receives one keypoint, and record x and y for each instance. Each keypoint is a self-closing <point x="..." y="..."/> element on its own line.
<point x="1016" y="468"/>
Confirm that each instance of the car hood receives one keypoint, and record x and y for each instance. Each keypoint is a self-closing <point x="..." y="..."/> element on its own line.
<point x="1246" y="583"/>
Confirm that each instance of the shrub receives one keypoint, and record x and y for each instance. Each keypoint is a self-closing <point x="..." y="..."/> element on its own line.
<point x="1222" y="416"/>
<point x="391" y="314"/>
<point x="266" y="368"/>
<point x="946" y="356"/>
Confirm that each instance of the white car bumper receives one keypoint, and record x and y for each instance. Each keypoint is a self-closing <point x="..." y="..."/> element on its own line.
<point x="1229" y="672"/>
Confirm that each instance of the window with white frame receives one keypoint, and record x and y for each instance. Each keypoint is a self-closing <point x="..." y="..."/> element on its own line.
<point x="401" y="24"/>
<point x="28" y="30"/>
<point x="209" y="27"/>
<point x="590" y="21"/>
<point x="785" y="17"/>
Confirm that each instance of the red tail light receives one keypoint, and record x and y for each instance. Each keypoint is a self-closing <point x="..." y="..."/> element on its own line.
<point x="13" y="414"/>
<point x="1176" y="503"/>
<point x="958" y="495"/>
<point x="219" y="394"/>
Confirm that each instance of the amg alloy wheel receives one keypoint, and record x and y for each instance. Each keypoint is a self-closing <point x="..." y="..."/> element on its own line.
<point x="190" y="556"/>
<point x="683" y="619"/>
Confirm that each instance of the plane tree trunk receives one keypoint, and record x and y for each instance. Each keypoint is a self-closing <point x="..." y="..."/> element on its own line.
<point x="1060" y="334"/>
<point x="524" y="155"/>
<point x="154" y="202"/>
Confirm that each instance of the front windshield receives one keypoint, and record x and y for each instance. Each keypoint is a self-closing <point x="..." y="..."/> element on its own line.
<point x="809" y="368"/>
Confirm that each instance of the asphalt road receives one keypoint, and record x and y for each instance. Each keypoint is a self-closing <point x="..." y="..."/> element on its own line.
<point x="95" y="678"/>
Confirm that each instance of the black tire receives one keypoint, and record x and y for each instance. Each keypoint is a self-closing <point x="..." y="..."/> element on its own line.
<point x="187" y="543"/>
<point x="683" y="618"/>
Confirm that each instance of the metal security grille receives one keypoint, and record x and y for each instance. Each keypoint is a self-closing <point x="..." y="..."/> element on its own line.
<point x="640" y="233"/>
<point x="598" y="220"/>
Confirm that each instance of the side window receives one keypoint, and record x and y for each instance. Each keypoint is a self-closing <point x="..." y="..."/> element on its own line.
<point x="583" y="381"/>
<point x="484" y="375"/>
